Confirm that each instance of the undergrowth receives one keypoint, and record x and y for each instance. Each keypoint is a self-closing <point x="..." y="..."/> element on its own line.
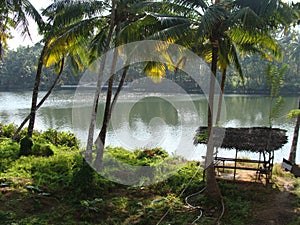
<point x="61" y="188"/>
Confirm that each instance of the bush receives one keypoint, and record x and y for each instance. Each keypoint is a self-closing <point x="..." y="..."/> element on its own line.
<point x="7" y="130"/>
<point x="39" y="149"/>
<point x="9" y="152"/>
<point x="59" y="138"/>
<point x="25" y="146"/>
<point x="144" y="157"/>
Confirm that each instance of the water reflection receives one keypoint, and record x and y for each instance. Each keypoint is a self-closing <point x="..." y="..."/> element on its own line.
<point x="168" y="121"/>
<point x="150" y="108"/>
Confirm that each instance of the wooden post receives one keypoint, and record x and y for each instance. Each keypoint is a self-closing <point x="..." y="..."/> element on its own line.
<point x="234" y="173"/>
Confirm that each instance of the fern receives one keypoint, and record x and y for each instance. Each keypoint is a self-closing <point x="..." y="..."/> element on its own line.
<point x="276" y="109"/>
<point x="275" y="78"/>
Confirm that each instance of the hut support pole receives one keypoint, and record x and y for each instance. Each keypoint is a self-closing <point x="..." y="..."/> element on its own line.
<point x="258" y="168"/>
<point x="234" y="172"/>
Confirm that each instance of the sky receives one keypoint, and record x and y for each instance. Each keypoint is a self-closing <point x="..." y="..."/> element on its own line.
<point x="25" y="41"/>
<point x="18" y="40"/>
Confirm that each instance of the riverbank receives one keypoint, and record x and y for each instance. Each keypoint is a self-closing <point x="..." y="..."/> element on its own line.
<point x="60" y="188"/>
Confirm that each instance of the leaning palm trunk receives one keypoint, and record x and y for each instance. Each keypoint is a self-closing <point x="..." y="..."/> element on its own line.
<point x="89" y="146"/>
<point x="57" y="79"/>
<point x="100" y="141"/>
<point x="211" y="182"/>
<point x="120" y="86"/>
<point x="36" y="91"/>
<point x="292" y="157"/>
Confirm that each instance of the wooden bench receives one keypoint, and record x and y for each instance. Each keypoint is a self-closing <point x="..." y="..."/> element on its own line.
<point x="263" y="166"/>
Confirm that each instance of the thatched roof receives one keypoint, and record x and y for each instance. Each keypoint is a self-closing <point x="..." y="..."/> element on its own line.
<point x="255" y="139"/>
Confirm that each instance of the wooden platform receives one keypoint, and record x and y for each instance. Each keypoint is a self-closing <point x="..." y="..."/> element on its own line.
<point x="263" y="166"/>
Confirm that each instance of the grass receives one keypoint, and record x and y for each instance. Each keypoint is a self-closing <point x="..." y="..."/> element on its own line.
<point x="63" y="189"/>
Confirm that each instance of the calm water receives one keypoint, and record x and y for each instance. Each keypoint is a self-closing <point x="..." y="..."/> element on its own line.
<point x="148" y="120"/>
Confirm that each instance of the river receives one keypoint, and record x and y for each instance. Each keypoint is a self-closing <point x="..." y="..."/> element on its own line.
<point x="149" y="120"/>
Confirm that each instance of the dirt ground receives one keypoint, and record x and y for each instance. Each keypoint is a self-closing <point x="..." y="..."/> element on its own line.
<point x="277" y="206"/>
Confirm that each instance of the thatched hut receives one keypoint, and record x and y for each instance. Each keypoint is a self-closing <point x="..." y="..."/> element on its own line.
<point x="262" y="140"/>
<point x="254" y="139"/>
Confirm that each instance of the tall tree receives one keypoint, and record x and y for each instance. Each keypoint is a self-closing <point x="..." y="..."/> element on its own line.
<point x="125" y="15"/>
<point x="57" y="47"/>
<point x="237" y="23"/>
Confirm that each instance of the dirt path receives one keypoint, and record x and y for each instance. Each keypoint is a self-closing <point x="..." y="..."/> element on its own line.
<point x="277" y="206"/>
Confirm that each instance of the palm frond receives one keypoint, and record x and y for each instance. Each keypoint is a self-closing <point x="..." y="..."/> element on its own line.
<point x="211" y="19"/>
<point x="272" y="12"/>
<point x="137" y="30"/>
<point x="171" y="27"/>
<point x="155" y="70"/>
<point x="261" y="40"/>
<point x="62" y="13"/>
<point x="97" y="45"/>
<point x="193" y="3"/>
<point x="31" y="11"/>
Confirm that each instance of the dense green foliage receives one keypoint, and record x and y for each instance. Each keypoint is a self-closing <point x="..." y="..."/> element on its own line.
<point x="63" y="189"/>
<point x="18" y="70"/>
<point x="254" y="68"/>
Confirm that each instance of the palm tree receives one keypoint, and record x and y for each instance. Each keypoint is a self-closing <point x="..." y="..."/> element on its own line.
<point x="57" y="48"/>
<point x="126" y="15"/>
<point x="225" y="26"/>
<point x="255" y="32"/>
<point x="13" y="14"/>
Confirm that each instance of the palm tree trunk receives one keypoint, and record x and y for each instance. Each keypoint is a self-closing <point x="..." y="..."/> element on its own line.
<point x="100" y="141"/>
<point x="221" y="96"/>
<point x="57" y="79"/>
<point x="292" y="157"/>
<point x="1" y="48"/>
<point x="36" y="91"/>
<point x="211" y="182"/>
<point x="90" y="141"/>
<point x="120" y="86"/>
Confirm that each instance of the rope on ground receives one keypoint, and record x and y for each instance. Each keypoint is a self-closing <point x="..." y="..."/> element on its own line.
<point x="195" y="207"/>
<point x="182" y="192"/>
<point x="223" y="211"/>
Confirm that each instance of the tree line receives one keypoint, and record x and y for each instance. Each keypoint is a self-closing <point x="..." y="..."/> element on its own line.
<point x="18" y="68"/>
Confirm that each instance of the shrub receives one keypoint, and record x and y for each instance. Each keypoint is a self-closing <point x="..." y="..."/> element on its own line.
<point x="9" y="152"/>
<point x="25" y="146"/>
<point x="7" y="130"/>
<point x="59" y="138"/>
<point x="39" y="149"/>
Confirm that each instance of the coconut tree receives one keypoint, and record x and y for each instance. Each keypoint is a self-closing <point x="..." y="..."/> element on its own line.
<point x="224" y="26"/>
<point x="125" y="16"/>
<point x="14" y="14"/>
<point x="65" y="17"/>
